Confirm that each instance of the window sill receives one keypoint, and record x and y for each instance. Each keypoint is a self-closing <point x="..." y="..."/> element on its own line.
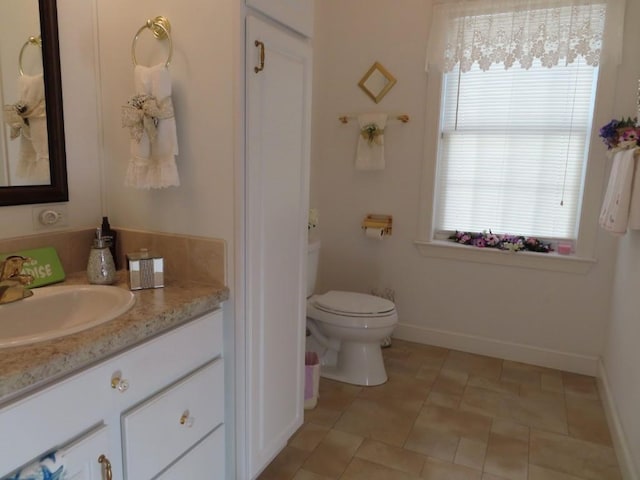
<point x="537" y="261"/>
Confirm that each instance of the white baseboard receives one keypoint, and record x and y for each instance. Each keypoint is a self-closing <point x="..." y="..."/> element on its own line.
<point x="570" y="362"/>
<point x="623" y="452"/>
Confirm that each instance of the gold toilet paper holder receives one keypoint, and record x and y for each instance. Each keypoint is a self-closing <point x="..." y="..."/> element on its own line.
<point x="372" y="220"/>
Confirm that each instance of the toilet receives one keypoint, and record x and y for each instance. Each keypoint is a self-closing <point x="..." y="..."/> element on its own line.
<point x="347" y="329"/>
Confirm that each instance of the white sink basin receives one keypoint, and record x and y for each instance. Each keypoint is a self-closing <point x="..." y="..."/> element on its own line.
<point x="57" y="311"/>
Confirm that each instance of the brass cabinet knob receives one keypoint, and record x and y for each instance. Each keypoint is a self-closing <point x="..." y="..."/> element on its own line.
<point x="187" y="419"/>
<point x="119" y="383"/>
<point x="106" y="467"/>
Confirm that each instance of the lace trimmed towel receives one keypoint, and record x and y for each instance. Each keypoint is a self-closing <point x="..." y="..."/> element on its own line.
<point x="370" y="149"/>
<point x="621" y="205"/>
<point x="50" y="467"/>
<point x="27" y="119"/>
<point x="152" y="127"/>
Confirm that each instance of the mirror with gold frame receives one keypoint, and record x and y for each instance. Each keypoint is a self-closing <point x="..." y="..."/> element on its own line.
<point x="377" y="82"/>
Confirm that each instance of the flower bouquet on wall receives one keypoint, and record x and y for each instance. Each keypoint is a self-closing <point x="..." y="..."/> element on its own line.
<point x="621" y="135"/>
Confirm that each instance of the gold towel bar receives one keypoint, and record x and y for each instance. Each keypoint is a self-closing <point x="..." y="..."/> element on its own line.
<point x="404" y="118"/>
<point x="161" y="29"/>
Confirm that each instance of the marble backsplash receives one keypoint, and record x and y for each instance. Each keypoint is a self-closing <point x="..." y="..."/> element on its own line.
<point x="186" y="258"/>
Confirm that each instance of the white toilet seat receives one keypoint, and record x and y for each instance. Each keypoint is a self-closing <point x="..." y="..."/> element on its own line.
<point x="352" y="310"/>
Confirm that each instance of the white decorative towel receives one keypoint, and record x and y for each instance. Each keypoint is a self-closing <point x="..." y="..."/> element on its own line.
<point x="370" y="150"/>
<point x="614" y="215"/>
<point x="27" y="119"/>
<point x="150" y="119"/>
<point x="50" y="467"/>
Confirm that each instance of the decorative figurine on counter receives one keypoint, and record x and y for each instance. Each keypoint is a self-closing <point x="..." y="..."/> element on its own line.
<point x="12" y="282"/>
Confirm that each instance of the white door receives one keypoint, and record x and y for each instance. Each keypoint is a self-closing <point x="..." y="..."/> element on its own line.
<point x="88" y="458"/>
<point x="278" y="98"/>
<point x="296" y="14"/>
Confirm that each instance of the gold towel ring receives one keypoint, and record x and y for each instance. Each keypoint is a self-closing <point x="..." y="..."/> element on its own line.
<point x="36" y="42"/>
<point x="161" y="29"/>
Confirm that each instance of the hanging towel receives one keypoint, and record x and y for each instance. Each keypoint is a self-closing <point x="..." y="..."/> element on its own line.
<point x="370" y="149"/>
<point x="634" y="209"/>
<point x="27" y="119"/>
<point x="614" y="215"/>
<point x="50" y="467"/>
<point x="151" y="122"/>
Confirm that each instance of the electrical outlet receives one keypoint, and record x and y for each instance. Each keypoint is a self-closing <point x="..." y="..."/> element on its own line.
<point x="49" y="216"/>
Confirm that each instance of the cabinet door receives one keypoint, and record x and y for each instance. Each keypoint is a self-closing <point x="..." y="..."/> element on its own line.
<point x="296" y="14"/>
<point x="278" y="101"/>
<point x="82" y="458"/>
<point x="206" y="460"/>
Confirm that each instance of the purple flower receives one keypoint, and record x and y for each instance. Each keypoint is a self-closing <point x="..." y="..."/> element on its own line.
<point x="479" y="242"/>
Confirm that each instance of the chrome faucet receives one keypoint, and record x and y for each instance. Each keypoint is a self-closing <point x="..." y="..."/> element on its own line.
<point x="12" y="282"/>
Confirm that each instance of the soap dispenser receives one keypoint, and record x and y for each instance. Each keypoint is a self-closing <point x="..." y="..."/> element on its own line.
<point x="100" y="267"/>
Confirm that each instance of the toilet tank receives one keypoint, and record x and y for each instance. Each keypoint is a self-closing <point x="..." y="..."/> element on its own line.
<point x="312" y="265"/>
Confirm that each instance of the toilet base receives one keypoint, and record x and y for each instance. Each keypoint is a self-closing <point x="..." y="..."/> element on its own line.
<point x="358" y="364"/>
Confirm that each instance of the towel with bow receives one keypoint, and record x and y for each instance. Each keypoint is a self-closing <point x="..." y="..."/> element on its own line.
<point x="152" y="127"/>
<point x="49" y="467"/>
<point x="370" y="149"/>
<point x="27" y="119"/>
<point x="622" y="198"/>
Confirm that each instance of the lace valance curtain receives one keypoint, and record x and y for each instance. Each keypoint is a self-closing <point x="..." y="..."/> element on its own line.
<point x="509" y="32"/>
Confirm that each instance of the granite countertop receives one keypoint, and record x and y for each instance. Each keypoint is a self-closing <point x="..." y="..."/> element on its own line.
<point x="24" y="369"/>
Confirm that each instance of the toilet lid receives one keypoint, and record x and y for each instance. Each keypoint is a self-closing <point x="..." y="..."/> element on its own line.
<point x="353" y="303"/>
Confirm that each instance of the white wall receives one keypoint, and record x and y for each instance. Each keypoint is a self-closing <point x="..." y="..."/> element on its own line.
<point x="544" y="317"/>
<point x="202" y="69"/>
<point x="76" y="26"/>
<point x="621" y="354"/>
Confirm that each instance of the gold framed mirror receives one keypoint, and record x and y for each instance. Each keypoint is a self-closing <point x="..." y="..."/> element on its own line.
<point x="377" y="82"/>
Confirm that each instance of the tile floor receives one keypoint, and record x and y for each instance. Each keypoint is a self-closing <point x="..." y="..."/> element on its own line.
<point x="449" y="415"/>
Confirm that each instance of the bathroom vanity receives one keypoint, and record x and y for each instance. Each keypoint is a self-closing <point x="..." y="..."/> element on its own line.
<point x="137" y="398"/>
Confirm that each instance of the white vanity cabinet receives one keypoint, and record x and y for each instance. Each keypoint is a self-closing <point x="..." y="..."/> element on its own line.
<point x="145" y="410"/>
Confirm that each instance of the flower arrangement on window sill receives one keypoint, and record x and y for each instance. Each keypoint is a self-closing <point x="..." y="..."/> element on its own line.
<point x="621" y="134"/>
<point x="513" y="243"/>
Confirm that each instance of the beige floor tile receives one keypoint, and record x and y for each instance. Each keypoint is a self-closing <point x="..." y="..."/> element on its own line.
<point x="490" y="476"/>
<point x="444" y="400"/>
<point x="360" y="469"/>
<point x="337" y="395"/>
<point x="507" y="457"/>
<point x="392" y="457"/>
<point x="540" y="473"/>
<point x="428" y="373"/>
<point x="471" y="453"/>
<point x="582" y="385"/>
<point x="285" y="465"/>
<point x="410" y="389"/>
<point x="320" y="415"/>
<point x="587" y="420"/>
<point x="308" y="436"/>
<point x="471" y="364"/>
<point x="552" y="381"/>
<point x="500" y="386"/>
<point x="333" y="454"/>
<point x="573" y="456"/>
<point x="455" y="422"/>
<point x="539" y="409"/>
<point x="521" y="373"/>
<point x="450" y="382"/>
<point x="433" y="443"/>
<point x="510" y="429"/>
<point x="303" y="474"/>
<point x="435" y="469"/>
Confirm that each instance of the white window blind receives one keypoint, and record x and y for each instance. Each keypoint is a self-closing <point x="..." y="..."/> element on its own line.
<point x="513" y="149"/>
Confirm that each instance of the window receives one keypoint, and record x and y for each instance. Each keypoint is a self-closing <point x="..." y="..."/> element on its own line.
<point x="518" y="94"/>
<point x="513" y="147"/>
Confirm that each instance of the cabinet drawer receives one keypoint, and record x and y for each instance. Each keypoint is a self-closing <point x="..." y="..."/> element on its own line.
<point x="162" y="428"/>
<point x="161" y="361"/>
<point x="206" y="460"/>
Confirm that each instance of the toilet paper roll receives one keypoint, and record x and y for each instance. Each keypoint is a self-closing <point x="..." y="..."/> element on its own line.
<point x="375" y="233"/>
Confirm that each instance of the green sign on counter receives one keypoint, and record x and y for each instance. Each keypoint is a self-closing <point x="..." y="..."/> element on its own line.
<point x="44" y="266"/>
